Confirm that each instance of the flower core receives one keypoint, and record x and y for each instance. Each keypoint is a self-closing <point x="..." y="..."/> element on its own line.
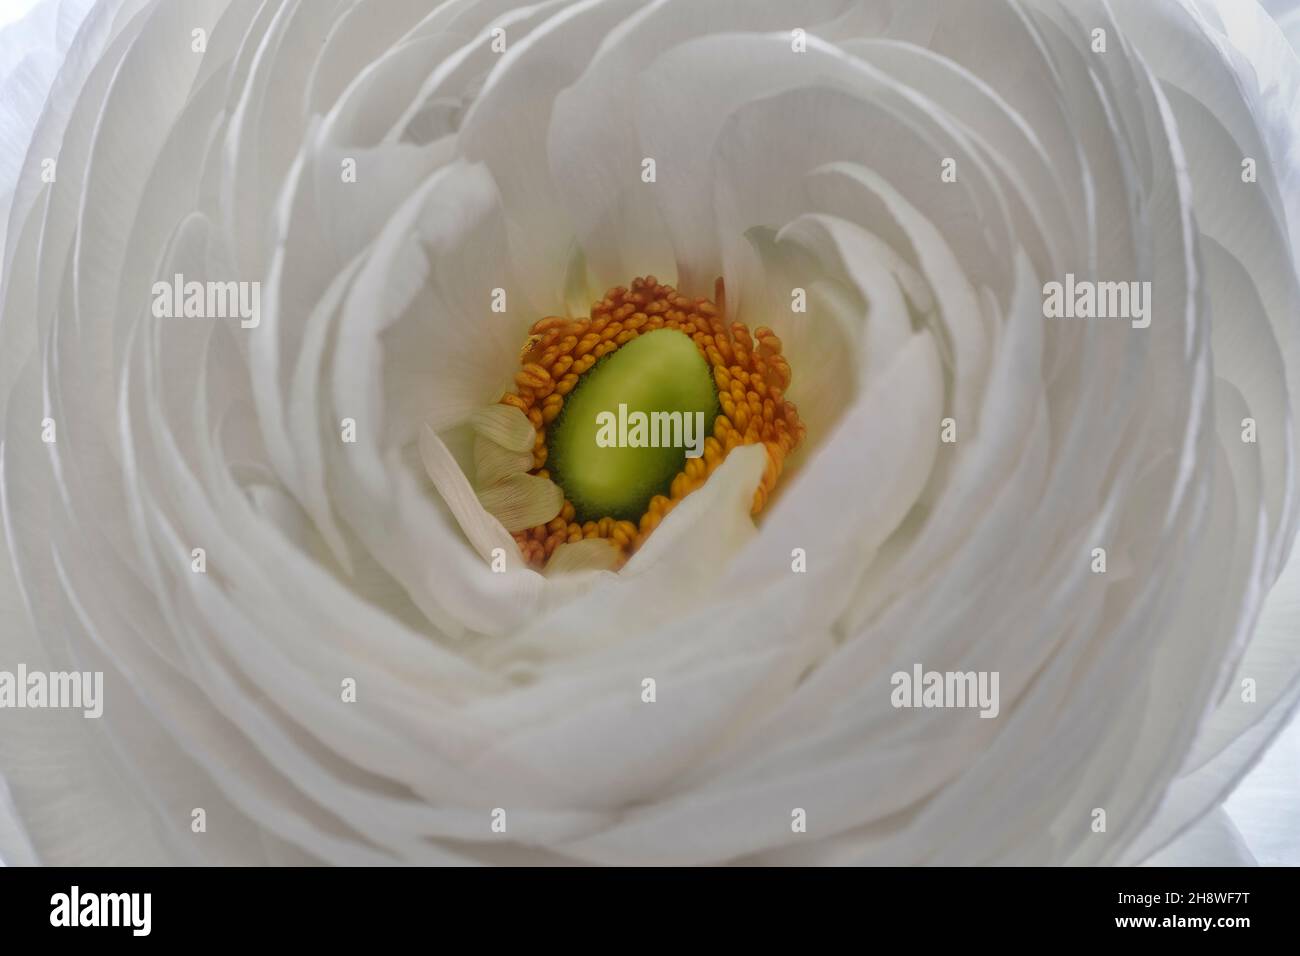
<point x="569" y="375"/>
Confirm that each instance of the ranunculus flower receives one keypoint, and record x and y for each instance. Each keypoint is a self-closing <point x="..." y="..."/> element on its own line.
<point x="296" y="299"/>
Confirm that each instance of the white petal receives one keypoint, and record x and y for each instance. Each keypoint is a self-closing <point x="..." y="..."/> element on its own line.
<point x="521" y="502"/>
<point x="590" y="554"/>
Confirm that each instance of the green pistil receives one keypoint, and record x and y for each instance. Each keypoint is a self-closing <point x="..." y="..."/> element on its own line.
<point x="661" y="371"/>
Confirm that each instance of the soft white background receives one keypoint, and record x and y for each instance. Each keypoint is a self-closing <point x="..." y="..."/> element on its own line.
<point x="1265" y="807"/>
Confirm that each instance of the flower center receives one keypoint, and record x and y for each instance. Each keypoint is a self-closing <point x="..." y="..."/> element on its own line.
<point x="631" y="424"/>
<point x="636" y="406"/>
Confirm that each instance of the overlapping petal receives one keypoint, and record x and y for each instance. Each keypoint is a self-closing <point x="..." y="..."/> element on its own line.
<point x="388" y="171"/>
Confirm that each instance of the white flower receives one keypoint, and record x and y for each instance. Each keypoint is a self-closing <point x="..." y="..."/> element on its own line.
<point x="381" y="175"/>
